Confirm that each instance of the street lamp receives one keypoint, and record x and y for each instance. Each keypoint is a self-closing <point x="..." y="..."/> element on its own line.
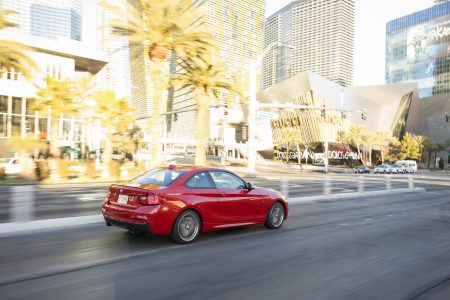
<point x="253" y="105"/>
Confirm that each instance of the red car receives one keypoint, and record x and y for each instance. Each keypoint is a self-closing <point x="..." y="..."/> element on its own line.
<point x="182" y="201"/>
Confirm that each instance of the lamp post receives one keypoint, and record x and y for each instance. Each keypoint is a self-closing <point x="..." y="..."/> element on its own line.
<point x="253" y="105"/>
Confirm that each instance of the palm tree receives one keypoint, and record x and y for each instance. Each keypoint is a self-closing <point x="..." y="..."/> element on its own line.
<point x="12" y="54"/>
<point x="357" y="133"/>
<point x="369" y="141"/>
<point x="420" y="140"/>
<point x="208" y="80"/>
<point x="290" y="137"/>
<point x="55" y="99"/>
<point x="382" y="139"/>
<point x="161" y="27"/>
<point x="113" y="114"/>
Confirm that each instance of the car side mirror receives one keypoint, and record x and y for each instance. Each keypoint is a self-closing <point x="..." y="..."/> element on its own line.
<point x="250" y="186"/>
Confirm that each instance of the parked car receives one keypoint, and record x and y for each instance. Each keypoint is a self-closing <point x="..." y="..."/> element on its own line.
<point x="182" y="201"/>
<point x="12" y="166"/>
<point x="410" y="165"/>
<point x="396" y="169"/>
<point x="361" y="170"/>
<point x="381" y="169"/>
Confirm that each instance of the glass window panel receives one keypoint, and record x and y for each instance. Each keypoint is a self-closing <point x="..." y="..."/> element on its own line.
<point x="3" y="103"/>
<point x="3" y="125"/>
<point x="29" y="104"/>
<point x="29" y="125"/>
<point x="66" y="129"/>
<point x="17" y="105"/>
<point x="43" y="128"/>
<point x="15" y="126"/>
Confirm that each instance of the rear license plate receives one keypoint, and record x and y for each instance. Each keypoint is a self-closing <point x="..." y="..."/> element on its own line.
<point x="123" y="199"/>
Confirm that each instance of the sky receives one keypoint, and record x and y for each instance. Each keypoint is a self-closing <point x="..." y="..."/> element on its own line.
<point x="371" y="17"/>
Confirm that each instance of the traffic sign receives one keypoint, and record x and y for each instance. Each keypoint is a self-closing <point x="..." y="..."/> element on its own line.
<point x="267" y="115"/>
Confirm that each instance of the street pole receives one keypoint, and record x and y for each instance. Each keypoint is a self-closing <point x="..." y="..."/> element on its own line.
<point x="251" y="117"/>
<point x="326" y="148"/>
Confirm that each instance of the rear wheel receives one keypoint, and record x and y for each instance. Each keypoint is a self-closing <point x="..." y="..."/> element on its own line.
<point x="275" y="216"/>
<point x="186" y="227"/>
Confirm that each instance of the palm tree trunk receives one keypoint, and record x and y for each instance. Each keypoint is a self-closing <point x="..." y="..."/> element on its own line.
<point x="287" y="153"/>
<point x="299" y="158"/>
<point x="107" y="153"/>
<point x="429" y="158"/>
<point x="202" y="100"/>
<point x="155" y="118"/>
<point x="54" y="138"/>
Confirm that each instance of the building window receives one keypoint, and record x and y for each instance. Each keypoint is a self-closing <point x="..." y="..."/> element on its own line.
<point x="3" y="125"/>
<point x="15" y="125"/>
<point x="43" y="129"/>
<point x="17" y="105"/>
<point x="29" y="107"/>
<point x="3" y="104"/>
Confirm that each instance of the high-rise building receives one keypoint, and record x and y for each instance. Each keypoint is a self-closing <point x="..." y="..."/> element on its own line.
<point x="418" y="48"/>
<point x="49" y="19"/>
<point x="238" y="27"/>
<point x="54" y="32"/>
<point x="310" y="35"/>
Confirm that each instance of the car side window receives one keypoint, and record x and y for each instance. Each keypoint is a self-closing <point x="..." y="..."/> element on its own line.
<point x="225" y="180"/>
<point x="199" y="181"/>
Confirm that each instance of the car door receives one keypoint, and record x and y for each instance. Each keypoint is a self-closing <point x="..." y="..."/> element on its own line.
<point x="200" y="191"/>
<point x="237" y="204"/>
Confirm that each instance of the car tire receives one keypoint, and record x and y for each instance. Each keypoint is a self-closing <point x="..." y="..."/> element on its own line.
<point x="186" y="227"/>
<point x="275" y="216"/>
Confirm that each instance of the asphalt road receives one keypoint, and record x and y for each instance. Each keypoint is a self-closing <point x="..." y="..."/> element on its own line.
<point x="82" y="200"/>
<point x="390" y="247"/>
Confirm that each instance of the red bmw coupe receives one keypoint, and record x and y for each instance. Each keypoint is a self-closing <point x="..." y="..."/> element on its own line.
<point x="182" y="201"/>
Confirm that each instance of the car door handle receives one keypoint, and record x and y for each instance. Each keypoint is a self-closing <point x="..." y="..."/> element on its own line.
<point x="222" y="193"/>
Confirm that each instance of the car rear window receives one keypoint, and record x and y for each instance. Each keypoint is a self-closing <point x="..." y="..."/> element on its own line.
<point x="161" y="177"/>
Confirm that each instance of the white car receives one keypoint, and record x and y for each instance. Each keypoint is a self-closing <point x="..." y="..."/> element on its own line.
<point x="410" y="165"/>
<point x="12" y="166"/>
<point x="381" y="169"/>
<point x="396" y="169"/>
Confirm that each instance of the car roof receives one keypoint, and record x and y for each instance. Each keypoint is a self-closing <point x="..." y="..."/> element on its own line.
<point x="188" y="168"/>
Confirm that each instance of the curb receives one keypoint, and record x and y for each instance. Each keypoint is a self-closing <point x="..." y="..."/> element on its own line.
<point x="299" y="200"/>
<point x="9" y="229"/>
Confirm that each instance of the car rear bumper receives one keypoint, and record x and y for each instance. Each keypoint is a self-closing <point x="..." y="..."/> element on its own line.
<point x="141" y="227"/>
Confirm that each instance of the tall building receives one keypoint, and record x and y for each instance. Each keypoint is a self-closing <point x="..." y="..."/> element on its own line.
<point x="418" y="48"/>
<point x="238" y="34"/>
<point x="310" y="35"/>
<point x="49" y="19"/>
<point x="54" y="33"/>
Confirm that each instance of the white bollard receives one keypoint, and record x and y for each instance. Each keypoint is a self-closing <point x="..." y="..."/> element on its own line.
<point x="361" y="184"/>
<point x="284" y="187"/>
<point x="388" y="182"/>
<point x="327" y="186"/>
<point x="410" y="182"/>
<point x="22" y="203"/>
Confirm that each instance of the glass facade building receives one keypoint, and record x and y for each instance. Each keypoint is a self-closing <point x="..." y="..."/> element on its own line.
<point x="418" y="48"/>
<point x="48" y="19"/>
<point x="315" y="35"/>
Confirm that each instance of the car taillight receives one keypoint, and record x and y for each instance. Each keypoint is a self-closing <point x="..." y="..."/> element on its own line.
<point x="150" y="200"/>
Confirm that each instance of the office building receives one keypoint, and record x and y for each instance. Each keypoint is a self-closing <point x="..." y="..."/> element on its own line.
<point x="310" y="35"/>
<point x="54" y="33"/>
<point x="418" y="48"/>
<point x="239" y="36"/>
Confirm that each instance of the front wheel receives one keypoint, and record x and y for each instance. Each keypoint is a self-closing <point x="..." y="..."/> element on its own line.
<point x="186" y="227"/>
<point x="275" y="216"/>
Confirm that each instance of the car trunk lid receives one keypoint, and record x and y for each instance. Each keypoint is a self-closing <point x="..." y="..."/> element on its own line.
<point x="134" y="195"/>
